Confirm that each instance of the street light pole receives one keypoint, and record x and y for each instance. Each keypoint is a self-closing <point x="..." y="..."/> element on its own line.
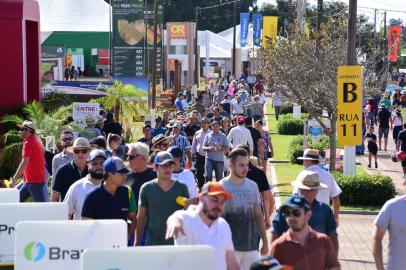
<point x="234" y="35"/>
<point x="197" y="62"/>
<point x="153" y="103"/>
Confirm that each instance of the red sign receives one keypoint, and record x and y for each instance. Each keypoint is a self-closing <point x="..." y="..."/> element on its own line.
<point x="394" y="42"/>
<point x="177" y="30"/>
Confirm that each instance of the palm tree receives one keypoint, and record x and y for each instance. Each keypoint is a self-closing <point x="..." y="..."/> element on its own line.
<point x="127" y="102"/>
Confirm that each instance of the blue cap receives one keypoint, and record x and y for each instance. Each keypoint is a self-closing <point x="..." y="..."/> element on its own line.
<point x="296" y="201"/>
<point x="95" y="154"/>
<point x="113" y="165"/>
<point x="163" y="158"/>
<point x="175" y="151"/>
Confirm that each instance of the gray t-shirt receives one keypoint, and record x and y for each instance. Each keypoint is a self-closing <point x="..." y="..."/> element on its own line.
<point x="239" y="213"/>
<point x="392" y="218"/>
<point x="212" y="139"/>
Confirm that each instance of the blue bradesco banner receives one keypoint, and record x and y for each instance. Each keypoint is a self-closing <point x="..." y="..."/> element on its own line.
<point x="244" y="21"/>
<point x="257" y="28"/>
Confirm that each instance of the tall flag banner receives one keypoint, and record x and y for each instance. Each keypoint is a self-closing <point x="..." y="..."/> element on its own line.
<point x="394" y="42"/>
<point x="257" y="28"/>
<point x="244" y="21"/>
<point x="269" y="29"/>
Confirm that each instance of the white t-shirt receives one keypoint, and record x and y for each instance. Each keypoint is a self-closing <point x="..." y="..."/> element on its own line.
<point x="325" y="177"/>
<point x="240" y="135"/>
<point x="218" y="235"/>
<point x="186" y="177"/>
<point x="76" y="196"/>
<point x="238" y="108"/>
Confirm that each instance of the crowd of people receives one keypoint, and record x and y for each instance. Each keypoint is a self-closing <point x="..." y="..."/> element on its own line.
<point x="198" y="176"/>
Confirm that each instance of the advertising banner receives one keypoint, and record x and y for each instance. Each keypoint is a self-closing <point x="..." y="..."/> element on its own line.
<point x="9" y="195"/>
<point x="49" y="245"/>
<point x="244" y="21"/>
<point x="158" y="257"/>
<point x="177" y="30"/>
<point x="149" y="44"/>
<point x="12" y="213"/>
<point x="83" y="110"/>
<point x="349" y="105"/>
<point x="269" y="29"/>
<point x="257" y="28"/>
<point x="395" y="33"/>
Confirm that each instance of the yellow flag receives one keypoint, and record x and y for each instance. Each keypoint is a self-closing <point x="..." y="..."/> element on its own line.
<point x="269" y="29"/>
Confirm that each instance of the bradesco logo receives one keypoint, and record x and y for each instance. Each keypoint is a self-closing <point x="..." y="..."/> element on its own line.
<point x="36" y="251"/>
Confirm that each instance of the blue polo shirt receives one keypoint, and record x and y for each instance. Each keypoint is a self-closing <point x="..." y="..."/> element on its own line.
<point x="322" y="220"/>
<point x="65" y="176"/>
<point x="158" y="131"/>
<point x="99" y="204"/>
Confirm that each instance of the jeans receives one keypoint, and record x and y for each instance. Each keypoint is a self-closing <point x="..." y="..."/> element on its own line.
<point x="277" y="112"/>
<point x="371" y="118"/>
<point x="217" y="166"/>
<point x="38" y="192"/>
<point x="199" y="161"/>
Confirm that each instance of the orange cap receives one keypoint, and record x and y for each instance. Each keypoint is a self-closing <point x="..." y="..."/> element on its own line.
<point x="215" y="188"/>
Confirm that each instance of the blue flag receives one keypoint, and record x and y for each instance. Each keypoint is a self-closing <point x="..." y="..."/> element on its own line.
<point x="244" y="21"/>
<point x="257" y="28"/>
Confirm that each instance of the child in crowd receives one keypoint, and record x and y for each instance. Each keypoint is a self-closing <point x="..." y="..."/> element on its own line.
<point x="372" y="146"/>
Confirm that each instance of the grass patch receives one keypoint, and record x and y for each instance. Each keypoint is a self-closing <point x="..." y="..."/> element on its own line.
<point x="360" y="207"/>
<point x="281" y="145"/>
<point x="270" y="119"/>
<point x="286" y="174"/>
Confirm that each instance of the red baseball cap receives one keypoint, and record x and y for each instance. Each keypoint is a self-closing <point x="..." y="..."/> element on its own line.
<point x="240" y="119"/>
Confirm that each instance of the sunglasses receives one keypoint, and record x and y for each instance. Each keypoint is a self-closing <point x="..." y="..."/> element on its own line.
<point x="131" y="157"/>
<point x="67" y="139"/>
<point x="23" y="129"/>
<point x="295" y="213"/>
<point x="83" y="151"/>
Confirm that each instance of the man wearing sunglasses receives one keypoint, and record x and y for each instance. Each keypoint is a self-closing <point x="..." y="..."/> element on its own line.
<point x="32" y="166"/>
<point x="301" y="246"/>
<point x="64" y="156"/>
<point x="72" y="171"/>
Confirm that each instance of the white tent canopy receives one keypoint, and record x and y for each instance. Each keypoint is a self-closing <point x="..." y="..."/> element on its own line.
<point x="74" y="15"/>
<point x="228" y="35"/>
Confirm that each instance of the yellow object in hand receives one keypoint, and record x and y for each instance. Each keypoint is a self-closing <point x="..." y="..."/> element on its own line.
<point x="181" y="201"/>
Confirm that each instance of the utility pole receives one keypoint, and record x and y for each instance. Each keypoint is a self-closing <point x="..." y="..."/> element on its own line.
<point x="349" y="151"/>
<point x="319" y="15"/>
<point x="375" y="28"/>
<point x="197" y="62"/>
<point x="234" y="36"/>
<point x="153" y="103"/>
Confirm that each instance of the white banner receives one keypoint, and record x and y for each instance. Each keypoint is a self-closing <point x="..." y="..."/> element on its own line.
<point x="11" y="213"/>
<point x="150" y="258"/>
<point x="50" y="245"/>
<point x="9" y="195"/>
<point x="82" y="110"/>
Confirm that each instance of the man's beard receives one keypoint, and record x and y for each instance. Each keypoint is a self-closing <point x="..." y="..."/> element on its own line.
<point x="96" y="175"/>
<point x="207" y="212"/>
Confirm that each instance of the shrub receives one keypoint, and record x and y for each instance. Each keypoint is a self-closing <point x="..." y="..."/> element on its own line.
<point x="288" y="108"/>
<point x="290" y="126"/>
<point x="321" y="145"/>
<point x="295" y="151"/>
<point x="290" y="115"/>
<point x="365" y="189"/>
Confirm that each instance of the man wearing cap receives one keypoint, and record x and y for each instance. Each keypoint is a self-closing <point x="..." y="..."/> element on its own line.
<point x="301" y="247"/>
<point x="383" y="118"/>
<point x="215" y="145"/>
<point x="161" y="142"/>
<point x="64" y="156"/>
<point x="78" y="191"/>
<point x="180" y="174"/>
<point x="203" y="225"/>
<point x="178" y="103"/>
<point x="322" y="219"/>
<point x="198" y="153"/>
<point x="112" y="199"/>
<point x="72" y="171"/>
<point x="32" y="166"/>
<point x="158" y="201"/>
<point x="159" y="129"/>
<point x="240" y="135"/>
<point x="311" y="160"/>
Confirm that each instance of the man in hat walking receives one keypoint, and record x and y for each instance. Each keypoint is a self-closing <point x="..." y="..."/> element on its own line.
<point x="32" y="166"/>
<point x="161" y="142"/>
<point x="322" y="219"/>
<point x="301" y="246"/>
<point x="311" y="159"/>
<point x="203" y="225"/>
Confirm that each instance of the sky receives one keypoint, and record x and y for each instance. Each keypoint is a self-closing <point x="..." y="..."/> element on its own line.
<point x="398" y="5"/>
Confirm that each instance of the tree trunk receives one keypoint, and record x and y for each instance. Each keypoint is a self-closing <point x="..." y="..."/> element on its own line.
<point x="117" y="111"/>
<point x="333" y="145"/>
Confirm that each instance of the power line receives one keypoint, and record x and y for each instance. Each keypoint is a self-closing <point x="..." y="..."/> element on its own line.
<point x="219" y="5"/>
<point x="391" y="10"/>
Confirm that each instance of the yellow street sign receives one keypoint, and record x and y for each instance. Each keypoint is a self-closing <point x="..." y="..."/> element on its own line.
<point x="349" y="105"/>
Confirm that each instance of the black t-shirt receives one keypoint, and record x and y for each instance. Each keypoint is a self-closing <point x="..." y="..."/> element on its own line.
<point x="259" y="177"/>
<point x="65" y="176"/>
<point x="371" y="138"/>
<point x="190" y="131"/>
<point x="99" y="204"/>
<point x="112" y="127"/>
<point x="256" y="135"/>
<point x="136" y="180"/>
<point x="402" y="138"/>
<point x="384" y="117"/>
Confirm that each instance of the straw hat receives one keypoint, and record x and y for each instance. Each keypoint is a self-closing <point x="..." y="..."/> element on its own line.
<point x="310" y="154"/>
<point x="308" y="180"/>
<point x="29" y="125"/>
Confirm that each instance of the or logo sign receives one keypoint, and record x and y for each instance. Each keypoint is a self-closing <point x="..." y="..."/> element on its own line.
<point x="34" y="251"/>
<point x="177" y="30"/>
<point x="349" y="103"/>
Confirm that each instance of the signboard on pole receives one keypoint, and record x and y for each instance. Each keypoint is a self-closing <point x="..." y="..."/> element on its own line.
<point x="12" y="213"/>
<point x="395" y="32"/>
<point x="49" y="245"/>
<point x="257" y="28"/>
<point x="177" y="30"/>
<point x="83" y="110"/>
<point x="269" y="29"/>
<point x="244" y="21"/>
<point x="150" y="258"/>
<point x="349" y="104"/>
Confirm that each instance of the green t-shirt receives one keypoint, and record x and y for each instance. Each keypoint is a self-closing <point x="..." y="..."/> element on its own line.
<point x="160" y="204"/>
<point x="133" y="205"/>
